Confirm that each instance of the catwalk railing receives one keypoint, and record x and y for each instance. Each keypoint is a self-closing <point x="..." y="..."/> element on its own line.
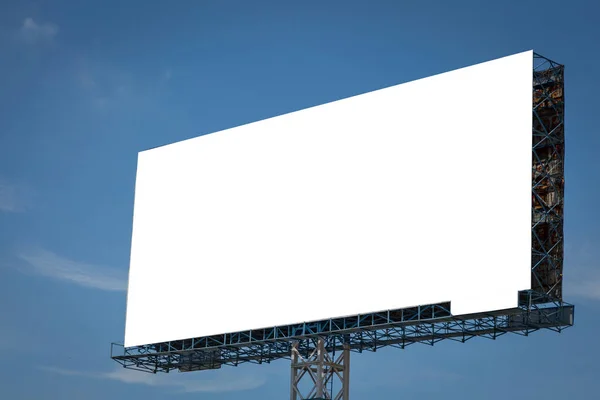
<point x="396" y="328"/>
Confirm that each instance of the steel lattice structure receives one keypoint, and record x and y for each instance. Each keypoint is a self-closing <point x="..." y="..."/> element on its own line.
<point x="322" y="368"/>
<point x="369" y="332"/>
<point x="541" y="307"/>
<point x="548" y="177"/>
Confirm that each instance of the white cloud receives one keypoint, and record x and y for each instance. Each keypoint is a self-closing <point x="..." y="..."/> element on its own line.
<point x="32" y="32"/>
<point x="218" y="382"/>
<point x="48" y="264"/>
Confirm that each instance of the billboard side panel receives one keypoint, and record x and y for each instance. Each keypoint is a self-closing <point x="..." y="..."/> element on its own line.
<point x="415" y="194"/>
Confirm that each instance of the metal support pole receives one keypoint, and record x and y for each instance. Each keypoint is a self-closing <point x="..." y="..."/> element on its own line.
<point x="320" y="372"/>
<point x="293" y="392"/>
<point x="322" y="369"/>
<point x="346" y="373"/>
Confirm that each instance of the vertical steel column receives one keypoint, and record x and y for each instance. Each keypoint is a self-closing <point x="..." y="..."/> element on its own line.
<point x="320" y="372"/>
<point x="346" y="372"/>
<point x="293" y="386"/>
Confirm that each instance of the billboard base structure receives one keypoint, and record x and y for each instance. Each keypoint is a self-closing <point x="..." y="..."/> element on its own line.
<point x="428" y="324"/>
<point x="321" y="370"/>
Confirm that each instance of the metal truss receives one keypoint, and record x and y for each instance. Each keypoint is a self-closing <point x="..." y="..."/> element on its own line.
<point x="321" y="369"/>
<point x="539" y="308"/>
<point x="548" y="177"/>
<point x="370" y="332"/>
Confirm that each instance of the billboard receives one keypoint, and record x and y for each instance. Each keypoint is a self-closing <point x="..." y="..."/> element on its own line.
<point x="415" y="194"/>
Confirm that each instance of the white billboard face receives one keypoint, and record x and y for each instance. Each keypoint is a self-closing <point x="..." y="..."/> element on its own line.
<point x="415" y="194"/>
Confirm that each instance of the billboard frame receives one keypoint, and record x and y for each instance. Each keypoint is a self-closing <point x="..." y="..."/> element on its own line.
<point x="541" y="307"/>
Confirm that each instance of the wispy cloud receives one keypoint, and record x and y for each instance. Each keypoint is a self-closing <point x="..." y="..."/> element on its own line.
<point x="106" y="86"/>
<point x="13" y="197"/>
<point x="32" y="32"/>
<point x="220" y="382"/>
<point x="48" y="264"/>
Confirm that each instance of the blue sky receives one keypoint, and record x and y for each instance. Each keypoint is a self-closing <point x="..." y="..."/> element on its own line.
<point x="86" y="85"/>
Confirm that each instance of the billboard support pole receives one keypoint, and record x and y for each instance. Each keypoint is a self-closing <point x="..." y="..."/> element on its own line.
<point x="319" y="369"/>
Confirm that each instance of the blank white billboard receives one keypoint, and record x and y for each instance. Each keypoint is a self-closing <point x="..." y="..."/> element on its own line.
<point x="415" y="194"/>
